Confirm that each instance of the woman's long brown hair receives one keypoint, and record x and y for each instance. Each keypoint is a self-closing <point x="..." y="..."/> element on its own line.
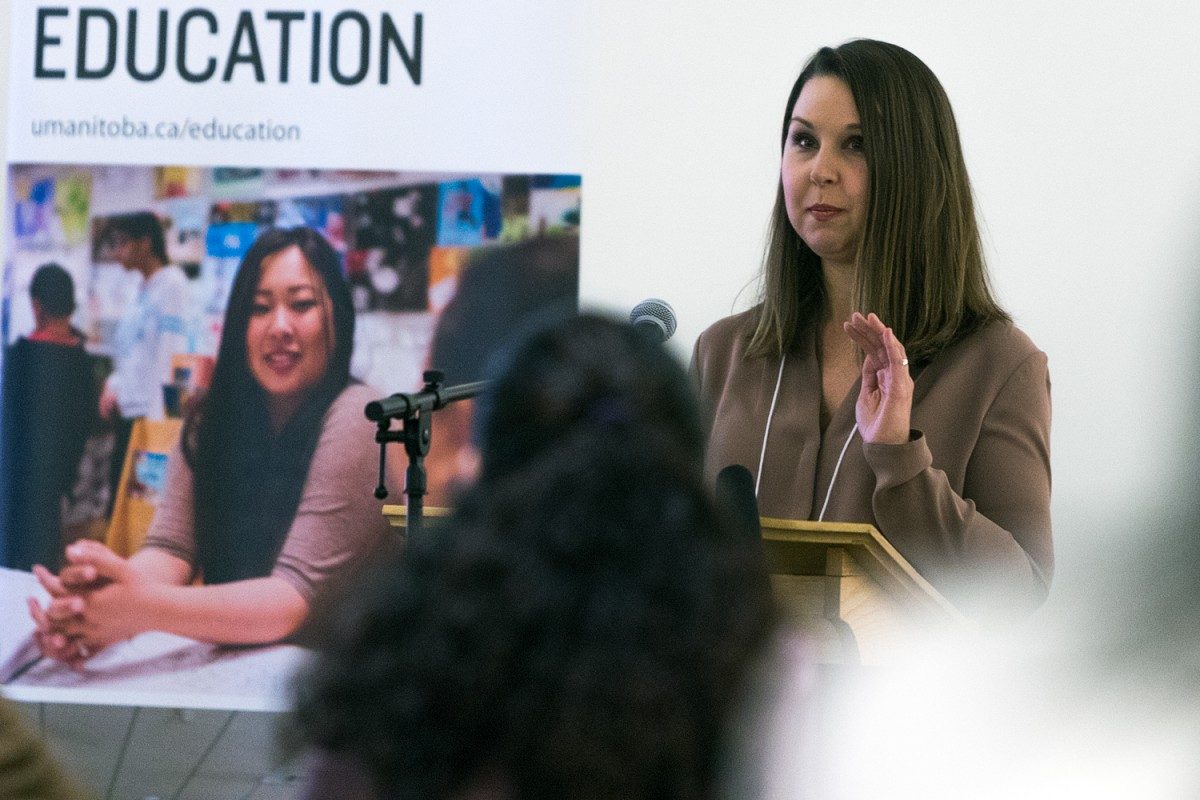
<point x="920" y="261"/>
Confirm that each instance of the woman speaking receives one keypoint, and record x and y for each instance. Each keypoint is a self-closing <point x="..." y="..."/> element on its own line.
<point x="878" y="380"/>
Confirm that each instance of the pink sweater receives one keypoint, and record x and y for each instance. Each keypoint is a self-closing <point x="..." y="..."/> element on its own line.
<point x="339" y="524"/>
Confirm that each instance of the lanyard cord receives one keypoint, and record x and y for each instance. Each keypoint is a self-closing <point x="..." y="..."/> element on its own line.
<point x="762" y="455"/>
<point x="767" y="431"/>
<point x="836" y="469"/>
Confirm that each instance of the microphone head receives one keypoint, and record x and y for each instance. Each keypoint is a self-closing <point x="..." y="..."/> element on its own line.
<point x="656" y="316"/>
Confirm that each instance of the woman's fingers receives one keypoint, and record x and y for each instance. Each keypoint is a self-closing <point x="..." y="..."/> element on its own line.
<point x="82" y="650"/>
<point x="104" y="563"/>
<point x="868" y="336"/>
<point x="39" y="615"/>
<point x="876" y="340"/>
<point x="78" y="577"/>
<point x="870" y="365"/>
<point x="53" y="621"/>
<point x="871" y="349"/>
<point x="55" y="645"/>
<point x="63" y="610"/>
<point x="884" y="405"/>
<point x="895" y="351"/>
<point x="49" y="581"/>
<point x="66" y="621"/>
<point x="60" y="625"/>
<point x="858" y="336"/>
<point x="52" y="642"/>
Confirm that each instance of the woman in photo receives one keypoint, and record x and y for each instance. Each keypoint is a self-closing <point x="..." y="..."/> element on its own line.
<point x="268" y="497"/>
<point x="878" y="380"/>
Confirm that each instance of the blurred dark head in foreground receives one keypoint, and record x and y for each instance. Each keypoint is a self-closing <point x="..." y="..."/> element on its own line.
<point x="580" y="628"/>
<point x="502" y="291"/>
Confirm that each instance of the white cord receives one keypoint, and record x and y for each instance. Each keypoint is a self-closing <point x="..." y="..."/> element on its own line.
<point x="762" y="455"/>
<point x="833" y="480"/>
<point x="766" y="432"/>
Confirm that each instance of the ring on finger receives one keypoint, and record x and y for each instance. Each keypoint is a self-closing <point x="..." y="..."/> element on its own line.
<point x="904" y="362"/>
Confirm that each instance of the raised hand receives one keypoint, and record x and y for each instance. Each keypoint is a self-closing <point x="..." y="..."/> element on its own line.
<point x="884" y="407"/>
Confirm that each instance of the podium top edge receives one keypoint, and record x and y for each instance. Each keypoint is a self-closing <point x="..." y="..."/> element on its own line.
<point x="401" y="510"/>
<point x="771" y="523"/>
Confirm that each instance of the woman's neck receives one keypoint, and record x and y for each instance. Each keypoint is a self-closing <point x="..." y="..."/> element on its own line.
<point x="836" y="351"/>
<point x="839" y="290"/>
<point x="280" y="410"/>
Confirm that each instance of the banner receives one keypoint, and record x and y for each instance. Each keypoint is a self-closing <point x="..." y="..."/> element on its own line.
<point x="436" y="149"/>
<point x="462" y="85"/>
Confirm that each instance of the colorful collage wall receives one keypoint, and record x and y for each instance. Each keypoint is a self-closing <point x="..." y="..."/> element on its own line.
<point x="404" y="238"/>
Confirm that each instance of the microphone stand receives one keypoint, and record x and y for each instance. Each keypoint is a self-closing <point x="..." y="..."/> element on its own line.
<point x="416" y="412"/>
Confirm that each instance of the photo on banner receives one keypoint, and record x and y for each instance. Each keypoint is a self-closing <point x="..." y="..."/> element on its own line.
<point x="406" y="242"/>
<point x="445" y="249"/>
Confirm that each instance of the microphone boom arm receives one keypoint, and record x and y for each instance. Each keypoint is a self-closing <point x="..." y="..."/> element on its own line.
<point x="416" y="412"/>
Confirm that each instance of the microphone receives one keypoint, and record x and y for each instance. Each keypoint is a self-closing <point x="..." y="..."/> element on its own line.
<point x="735" y="495"/>
<point x="654" y="316"/>
<point x="738" y="507"/>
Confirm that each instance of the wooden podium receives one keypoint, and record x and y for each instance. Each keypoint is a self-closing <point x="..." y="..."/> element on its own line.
<point x="851" y="592"/>
<point x="843" y="585"/>
<point x="397" y="515"/>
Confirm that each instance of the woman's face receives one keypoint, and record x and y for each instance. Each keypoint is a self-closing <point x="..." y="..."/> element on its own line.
<point x="824" y="171"/>
<point x="289" y="337"/>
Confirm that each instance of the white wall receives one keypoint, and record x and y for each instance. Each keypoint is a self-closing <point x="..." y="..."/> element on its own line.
<point x="1078" y="120"/>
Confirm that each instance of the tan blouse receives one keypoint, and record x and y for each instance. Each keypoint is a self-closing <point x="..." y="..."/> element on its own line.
<point x="966" y="501"/>
<point x="339" y="524"/>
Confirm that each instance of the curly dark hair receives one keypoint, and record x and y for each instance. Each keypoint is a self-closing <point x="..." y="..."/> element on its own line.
<point x="580" y="628"/>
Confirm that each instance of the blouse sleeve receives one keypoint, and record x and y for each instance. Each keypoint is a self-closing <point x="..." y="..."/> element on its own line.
<point x="994" y="540"/>
<point x="173" y="527"/>
<point x="339" y="524"/>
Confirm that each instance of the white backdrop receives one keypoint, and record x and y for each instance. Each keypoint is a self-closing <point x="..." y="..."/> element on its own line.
<point x="1078" y="122"/>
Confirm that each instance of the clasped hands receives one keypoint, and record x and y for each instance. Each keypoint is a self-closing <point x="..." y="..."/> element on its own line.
<point x="95" y="601"/>
<point x="884" y="407"/>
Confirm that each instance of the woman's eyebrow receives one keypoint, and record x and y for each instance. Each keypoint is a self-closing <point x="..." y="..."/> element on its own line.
<point x="293" y="289"/>
<point x="853" y="126"/>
